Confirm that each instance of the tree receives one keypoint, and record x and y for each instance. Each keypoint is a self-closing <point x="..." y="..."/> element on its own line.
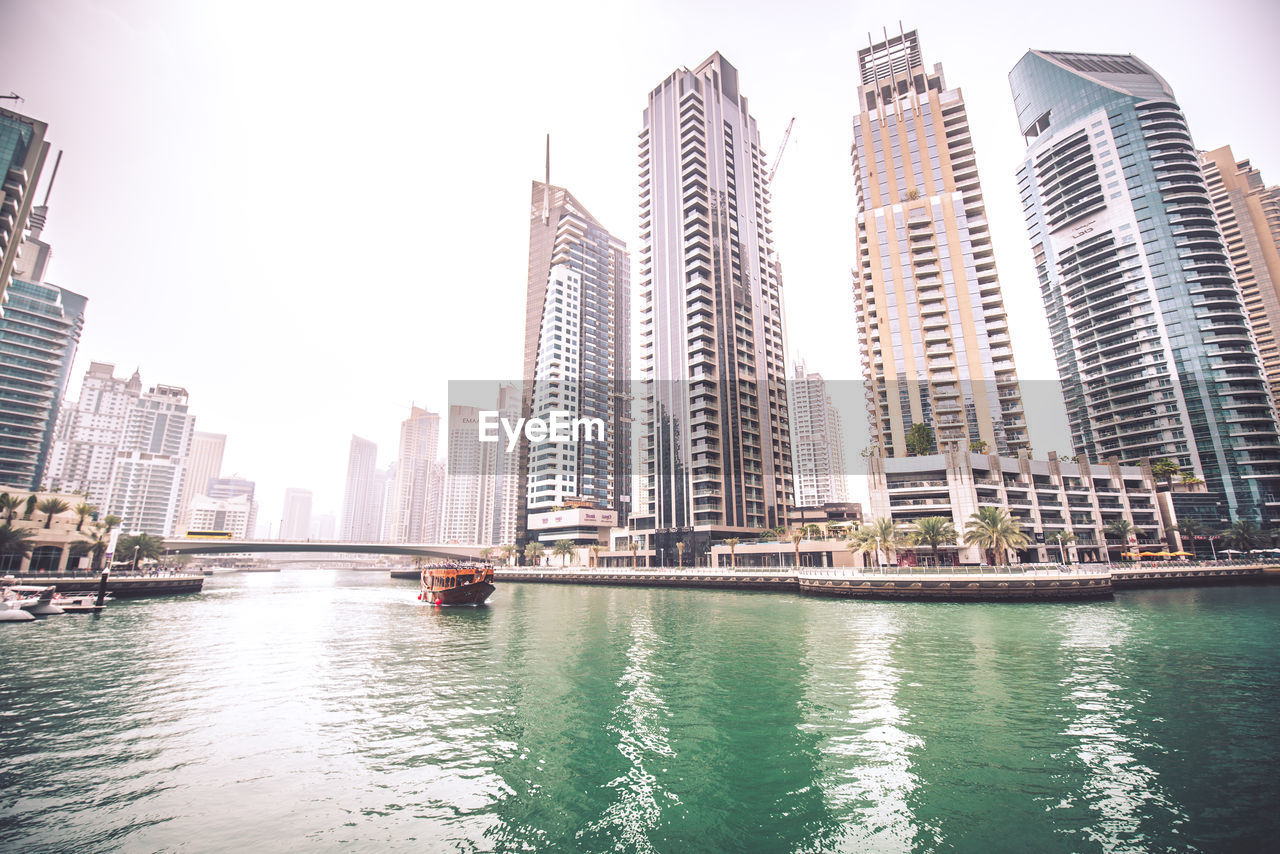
<point x="97" y="542"/>
<point x="732" y="543"/>
<point x="796" y="536"/>
<point x="485" y="553"/>
<point x="9" y="505"/>
<point x="635" y="547"/>
<point x="861" y="541"/>
<point x="52" y="507"/>
<point x="919" y="440"/>
<point x="882" y="535"/>
<point x="1165" y="470"/>
<point x="109" y="522"/>
<point x="1063" y="539"/>
<point x="84" y="510"/>
<point x="534" y="552"/>
<point x="508" y="551"/>
<point x="933" y="531"/>
<point x="15" y="541"/>
<point x="148" y="546"/>
<point x="1243" y="536"/>
<point x="31" y="506"/>
<point x="680" y="553"/>
<point x="978" y="446"/>
<point x="992" y="529"/>
<point x="565" y="549"/>
<point x="1190" y="479"/>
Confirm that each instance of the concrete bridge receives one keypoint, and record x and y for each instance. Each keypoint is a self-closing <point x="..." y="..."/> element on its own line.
<point x="193" y="546"/>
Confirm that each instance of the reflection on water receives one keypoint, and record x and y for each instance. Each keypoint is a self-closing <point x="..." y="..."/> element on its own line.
<point x="328" y="710"/>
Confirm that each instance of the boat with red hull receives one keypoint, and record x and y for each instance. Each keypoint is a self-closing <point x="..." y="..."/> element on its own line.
<point x="456" y="585"/>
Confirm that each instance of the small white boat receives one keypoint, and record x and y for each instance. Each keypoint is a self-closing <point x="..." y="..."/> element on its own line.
<point x="37" y="600"/>
<point x="11" y="608"/>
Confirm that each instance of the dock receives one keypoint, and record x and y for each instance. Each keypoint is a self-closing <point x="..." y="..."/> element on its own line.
<point x="119" y="586"/>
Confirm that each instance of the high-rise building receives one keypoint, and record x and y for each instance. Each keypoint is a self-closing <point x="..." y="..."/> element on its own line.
<point x="89" y="433"/>
<point x="577" y="354"/>
<point x="1152" y="339"/>
<point x="147" y="475"/>
<point x="714" y="442"/>
<point x="295" y="520"/>
<point x="1249" y="215"/>
<point x="419" y="445"/>
<point x="508" y="489"/>
<point x="40" y="325"/>
<point x="234" y="486"/>
<point x="436" y="478"/>
<point x="935" y="338"/>
<point x="362" y="498"/>
<point x="204" y="463"/>
<point x="22" y="154"/>
<point x="233" y="515"/>
<point x="818" y="439"/>
<point x="469" y="481"/>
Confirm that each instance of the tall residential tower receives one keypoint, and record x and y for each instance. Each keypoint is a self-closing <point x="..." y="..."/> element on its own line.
<point x="1154" y="348"/>
<point x="714" y="441"/>
<point x="935" y="337"/>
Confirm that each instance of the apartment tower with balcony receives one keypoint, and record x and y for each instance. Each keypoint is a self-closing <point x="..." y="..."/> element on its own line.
<point x="714" y="440"/>
<point x="934" y="333"/>
<point x="1150" y="332"/>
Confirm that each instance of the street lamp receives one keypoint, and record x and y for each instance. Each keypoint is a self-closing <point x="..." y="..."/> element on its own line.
<point x="137" y="544"/>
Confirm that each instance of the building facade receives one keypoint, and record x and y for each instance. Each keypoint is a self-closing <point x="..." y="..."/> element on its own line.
<point x="40" y="326"/>
<point x="468" y="482"/>
<point x="935" y="337"/>
<point x="234" y="486"/>
<point x="1249" y="215"/>
<point x="149" y="467"/>
<point x="204" y="463"/>
<point x="714" y="438"/>
<point x="818" y="439"/>
<point x="1044" y="496"/>
<point x="22" y="154"/>
<point x="362" y="496"/>
<point x="89" y="432"/>
<point x="419" y="446"/>
<point x="1150" y="332"/>
<point x="234" y="515"/>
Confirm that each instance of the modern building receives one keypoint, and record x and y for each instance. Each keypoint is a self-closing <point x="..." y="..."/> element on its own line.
<point x="1150" y="331"/>
<point x="362" y="498"/>
<point x="1249" y="215"/>
<point x="1044" y="496"/>
<point x="204" y="463"/>
<point x="469" y="481"/>
<point x="714" y="439"/>
<point x="147" y="475"/>
<point x="436" y="479"/>
<point x="234" y="486"/>
<point x="40" y="326"/>
<point x="505" y="497"/>
<point x="934" y="334"/>
<point x="234" y="515"/>
<point x="89" y="433"/>
<point x="295" y="520"/>
<point x="818" y="441"/>
<point x="22" y="155"/>
<point x="419" y="445"/>
<point x="577" y="357"/>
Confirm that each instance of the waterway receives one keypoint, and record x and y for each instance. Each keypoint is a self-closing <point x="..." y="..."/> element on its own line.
<point x="327" y="711"/>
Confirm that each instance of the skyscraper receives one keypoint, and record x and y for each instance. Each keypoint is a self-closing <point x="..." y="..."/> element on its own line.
<point x="40" y="326"/>
<point x="362" y="497"/>
<point x="204" y="463"/>
<point x="508" y="490"/>
<point x="419" y="444"/>
<point x="819" y="441"/>
<point x="89" y="433"/>
<point x="1148" y="326"/>
<point x="933" y="326"/>
<point x="714" y="438"/>
<point x="577" y="355"/>
<point x="295" y="520"/>
<point x="22" y="154"/>
<point x="147" y="475"/>
<point x="235" y="486"/>
<point x="1249" y="214"/>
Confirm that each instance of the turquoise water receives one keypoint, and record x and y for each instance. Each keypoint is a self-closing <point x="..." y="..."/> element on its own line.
<point x="327" y="710"/>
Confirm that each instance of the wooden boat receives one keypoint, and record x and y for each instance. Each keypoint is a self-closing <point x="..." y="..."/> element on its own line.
<point x="456" y="585"/>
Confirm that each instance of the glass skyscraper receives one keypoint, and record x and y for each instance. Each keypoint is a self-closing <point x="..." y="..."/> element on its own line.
<point x="22" y="155"/>
<point x="1153" y="344"/>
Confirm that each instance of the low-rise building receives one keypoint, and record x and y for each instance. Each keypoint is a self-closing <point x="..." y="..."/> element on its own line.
<point x="1044" y="496"/>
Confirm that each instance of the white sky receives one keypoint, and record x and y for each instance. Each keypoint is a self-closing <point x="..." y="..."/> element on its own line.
<point x="312" y="215"/>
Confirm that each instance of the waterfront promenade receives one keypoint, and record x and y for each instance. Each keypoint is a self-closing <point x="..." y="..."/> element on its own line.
<point x="1048" y="582"/>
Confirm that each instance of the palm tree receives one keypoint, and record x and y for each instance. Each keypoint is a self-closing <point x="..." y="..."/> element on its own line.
<point x="31" y="505"/>
<point x="109" y="522"/>
<point x="634" y="546"/>
<point x="1165" y="470"/>
<point x="53" y="506"/>
<point x="97" y="543"/>
<point x="992" y="529"/>
<point x="884" y="535"/>
<point x="732" y="543"/>
<point x="595" y="549"/>
<point x="485" y="553"/>
<point x="1189" y="478"/>
<point x="508" y="551"/>
<point x="84" y="510"/>
<point x="148" y="547"/>
<point x="15" y="541"/>
<point x="533" y="553"/>
<point x="1243" y="536"/>
<point x="1120" y="529"/>
<point x="565" y="549"/>
<point x="680" y="553"/>
<point x="978" y="446"/>
<point x="933" y="531"/>
<point x="1062" y="538"/>
<point x="796" y="536"/>
<point x="9" y="505"/>
<point x="919" y="440"/>
<point x="861" y="542"/>
<point x="812" y="531"/>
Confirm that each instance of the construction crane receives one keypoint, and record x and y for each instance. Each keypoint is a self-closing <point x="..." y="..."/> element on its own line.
<point x="781" y="148"/>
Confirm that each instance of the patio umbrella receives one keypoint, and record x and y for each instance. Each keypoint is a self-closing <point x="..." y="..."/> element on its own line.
<point x="1231" y="552"/>
<point x="1182" y="554"/>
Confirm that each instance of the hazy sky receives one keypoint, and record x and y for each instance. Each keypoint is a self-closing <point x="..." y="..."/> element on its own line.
<point x="313" y="215"/>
